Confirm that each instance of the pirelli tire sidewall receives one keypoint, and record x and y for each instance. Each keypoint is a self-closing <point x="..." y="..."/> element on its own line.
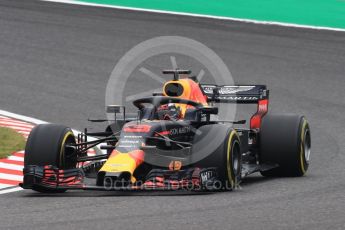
<point x="233" y="160"/>
<point x="46" y="146"/>
<point x="285" y="141"/>
<point x="226" y="155"/>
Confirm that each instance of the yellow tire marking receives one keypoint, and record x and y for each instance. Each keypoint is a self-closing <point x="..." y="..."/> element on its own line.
<point x="69" y="133"/>
<point x="230" y="176"/>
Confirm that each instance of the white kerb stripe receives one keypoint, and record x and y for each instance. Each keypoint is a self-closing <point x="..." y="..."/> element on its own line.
<point x="15" y="158"/>
<point x="11" y="177"/>
<point x="11" y="166"/>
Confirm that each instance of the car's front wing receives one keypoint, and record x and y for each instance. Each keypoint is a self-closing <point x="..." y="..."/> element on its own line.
<point x="192" y="179"/>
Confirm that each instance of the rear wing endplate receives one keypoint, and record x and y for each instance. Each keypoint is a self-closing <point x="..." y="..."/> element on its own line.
<point x="242" y="94"/>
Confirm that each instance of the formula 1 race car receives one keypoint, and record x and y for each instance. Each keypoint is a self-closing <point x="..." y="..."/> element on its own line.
<point x="174" y="142"/>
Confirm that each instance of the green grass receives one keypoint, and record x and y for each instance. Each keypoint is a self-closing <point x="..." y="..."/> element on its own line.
<point x="10" y="142"/>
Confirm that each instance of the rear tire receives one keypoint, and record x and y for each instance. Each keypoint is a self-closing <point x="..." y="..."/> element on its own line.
<point x="226" y="155"/>
<point x="285" y="140"/>
<point x="46" y="146"/>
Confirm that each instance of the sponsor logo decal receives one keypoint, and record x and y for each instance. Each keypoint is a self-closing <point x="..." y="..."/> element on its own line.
<point x="130" y="141"/>
<point x="207" y="175"/>
<point x="234" y="89"/>
<point x="175" y="165"/>
<point x="237" y="98"/>
<point x="181" y="130"/>
<point x="137" y="128"/>
<point x="208" y="89"/>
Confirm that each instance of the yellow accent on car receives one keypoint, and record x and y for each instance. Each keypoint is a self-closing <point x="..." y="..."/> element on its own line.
<point x="121" y="162"/>
<point x="185" y="94"/>
<point x="188" y="92"/>
<point x="185" y="85"/>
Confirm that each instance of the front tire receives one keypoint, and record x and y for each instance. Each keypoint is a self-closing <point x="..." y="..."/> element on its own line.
<point x="46" y="145"/>
<point x="285" y="140"/>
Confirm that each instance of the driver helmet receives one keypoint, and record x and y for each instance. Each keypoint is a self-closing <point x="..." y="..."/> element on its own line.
<point x="169" y="112"/>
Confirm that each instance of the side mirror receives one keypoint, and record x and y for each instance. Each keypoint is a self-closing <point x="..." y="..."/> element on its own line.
<point x="114" y="108"/>
<point x="209" y="110"/>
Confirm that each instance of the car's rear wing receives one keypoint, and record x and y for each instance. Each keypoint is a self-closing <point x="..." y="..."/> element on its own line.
<point x="235" y="94"/>
<point x="242" y="94"/>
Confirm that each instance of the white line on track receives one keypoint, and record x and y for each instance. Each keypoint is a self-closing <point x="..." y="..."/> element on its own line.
<point x="198" y="15"/>
<point x="3" y="186"/>
<point x="22" y="117"/>
<point x="15" y="189"/>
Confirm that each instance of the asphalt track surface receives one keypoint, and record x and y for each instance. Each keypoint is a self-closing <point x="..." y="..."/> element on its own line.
<point x="55" y="61"/>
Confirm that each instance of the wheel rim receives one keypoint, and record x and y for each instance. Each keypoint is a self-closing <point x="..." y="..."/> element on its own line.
<point x="70" y="160"/>
<point x="307" y="145"/>
<point x="235" y="158"/>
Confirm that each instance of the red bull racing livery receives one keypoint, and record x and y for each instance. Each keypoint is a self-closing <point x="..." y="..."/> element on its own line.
<point x="175" y="142"/>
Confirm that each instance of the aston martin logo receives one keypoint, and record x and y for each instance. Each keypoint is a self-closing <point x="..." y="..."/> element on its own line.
<point x="234" y="89"/>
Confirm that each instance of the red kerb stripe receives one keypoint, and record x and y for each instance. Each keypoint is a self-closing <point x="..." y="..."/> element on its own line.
<point x="11" y="182"/>
<point x="11" y="171"/>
